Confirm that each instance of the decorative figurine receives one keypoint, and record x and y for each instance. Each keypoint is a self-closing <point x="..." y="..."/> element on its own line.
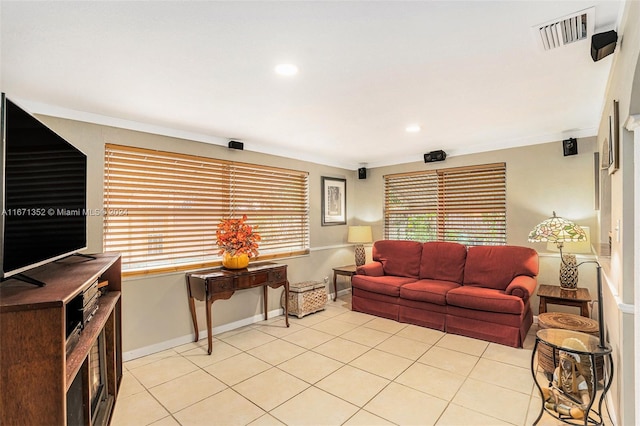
<point x="568" y="394"/>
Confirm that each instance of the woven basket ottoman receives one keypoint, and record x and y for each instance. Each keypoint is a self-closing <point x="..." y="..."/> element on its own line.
<point x="305" y="298"/>
<point x="566" y="322"/>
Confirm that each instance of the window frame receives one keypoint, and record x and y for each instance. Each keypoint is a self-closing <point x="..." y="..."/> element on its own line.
<point x="461" y="204"/>
<point x="185" y="196"/>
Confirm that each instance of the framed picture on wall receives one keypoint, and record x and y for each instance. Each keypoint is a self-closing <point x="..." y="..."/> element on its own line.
<point x="334" y="201"/>
<point x="614" y="139"/>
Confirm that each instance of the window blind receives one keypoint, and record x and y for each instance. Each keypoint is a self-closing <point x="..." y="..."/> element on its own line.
<point x="162" y="208"/>
<point x="464" y="204"/>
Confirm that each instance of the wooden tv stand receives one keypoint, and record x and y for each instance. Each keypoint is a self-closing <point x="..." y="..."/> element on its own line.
<point x="36" y="372"/>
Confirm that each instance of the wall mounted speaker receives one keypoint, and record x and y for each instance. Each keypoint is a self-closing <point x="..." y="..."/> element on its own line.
<point x="362" y="173"/>
<point x="570" y="146"/>
<point x="236" y="145"/>
<point x="603" y="44"/>
<point x="435" y="156"/>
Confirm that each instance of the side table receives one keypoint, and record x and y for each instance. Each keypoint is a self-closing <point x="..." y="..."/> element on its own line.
<point x="577" y="353"/>
<point x="546" y="357"/>
<point x="556" y="295"/>
<point x="348" y="271"/>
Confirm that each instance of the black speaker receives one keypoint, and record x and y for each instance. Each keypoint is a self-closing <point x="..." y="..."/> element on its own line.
<point x="435" y="156"/>
<point x="236" y="145"/>
<point x="362" y="173"/>
<point x="603" y="44"/>
<point x="570" y="146"/>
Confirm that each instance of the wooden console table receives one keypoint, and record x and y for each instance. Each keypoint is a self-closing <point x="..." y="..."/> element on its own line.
<point x="220" y="283"/>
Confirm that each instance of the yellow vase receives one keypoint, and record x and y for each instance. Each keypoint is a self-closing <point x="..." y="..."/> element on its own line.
<point x="239" y="261"/>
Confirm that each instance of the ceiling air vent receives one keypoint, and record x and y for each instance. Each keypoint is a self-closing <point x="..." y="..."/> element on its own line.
<point x="566" y="30"/>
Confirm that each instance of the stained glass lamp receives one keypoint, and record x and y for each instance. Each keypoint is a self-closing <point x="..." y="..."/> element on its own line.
<point x="558" y="230"/>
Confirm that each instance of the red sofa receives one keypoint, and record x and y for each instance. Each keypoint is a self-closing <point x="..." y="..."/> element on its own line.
<point x="481" y="292"/>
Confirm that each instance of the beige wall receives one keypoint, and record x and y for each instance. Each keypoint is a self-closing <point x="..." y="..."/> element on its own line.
<point x="619" y="267"/>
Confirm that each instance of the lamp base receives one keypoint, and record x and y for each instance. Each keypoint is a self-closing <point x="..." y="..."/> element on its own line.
<point x="569" y="272"/>
<point x="360" y="255"/>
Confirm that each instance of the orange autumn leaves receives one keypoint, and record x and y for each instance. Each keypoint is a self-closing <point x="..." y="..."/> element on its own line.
<point x="236" y="237"/>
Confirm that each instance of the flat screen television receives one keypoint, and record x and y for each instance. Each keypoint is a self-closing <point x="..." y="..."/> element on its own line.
<point x="44" y="191"/>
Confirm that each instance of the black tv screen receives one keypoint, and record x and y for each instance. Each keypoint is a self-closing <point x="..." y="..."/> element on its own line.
<point x="43" y="193"/>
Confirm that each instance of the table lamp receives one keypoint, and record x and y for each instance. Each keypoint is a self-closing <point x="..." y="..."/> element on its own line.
<point x="359" y="235"/>
<point x="559" y="231"/>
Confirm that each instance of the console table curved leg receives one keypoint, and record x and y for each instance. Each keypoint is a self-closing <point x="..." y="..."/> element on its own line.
<point x="194" y="319"/>
<point x="286" y="305"/>
<point x="266" y="311"/>
<point x="209" y="332"/>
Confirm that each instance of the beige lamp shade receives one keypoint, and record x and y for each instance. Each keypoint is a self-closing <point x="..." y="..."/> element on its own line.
<point x="359" y="234"/>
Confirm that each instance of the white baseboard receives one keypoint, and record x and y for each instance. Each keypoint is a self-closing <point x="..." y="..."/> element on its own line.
<point x="183" y="340"/>
<point x="340" y="293"/>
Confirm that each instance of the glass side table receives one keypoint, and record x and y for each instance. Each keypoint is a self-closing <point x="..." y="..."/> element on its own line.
<point x="570" y="395"/>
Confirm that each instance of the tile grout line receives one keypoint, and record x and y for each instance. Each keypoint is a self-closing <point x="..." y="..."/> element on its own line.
<point x="277" y="338"/>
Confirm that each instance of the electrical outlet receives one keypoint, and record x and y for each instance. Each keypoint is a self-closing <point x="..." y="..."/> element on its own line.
<point x="326" y="280"/>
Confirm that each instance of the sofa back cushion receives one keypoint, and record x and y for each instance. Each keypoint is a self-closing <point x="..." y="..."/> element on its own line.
<point x="399" y="258"/>
<point x="443" y="261"/>
<point x="495" y="266"/>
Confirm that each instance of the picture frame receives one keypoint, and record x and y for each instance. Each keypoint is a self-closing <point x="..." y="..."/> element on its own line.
<point x="614" y="139"/>
<point x="334" y="201"/>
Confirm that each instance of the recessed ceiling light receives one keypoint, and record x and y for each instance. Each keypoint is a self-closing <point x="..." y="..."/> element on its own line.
<point x="414" y="128"/>
<point x="286" y="69"/>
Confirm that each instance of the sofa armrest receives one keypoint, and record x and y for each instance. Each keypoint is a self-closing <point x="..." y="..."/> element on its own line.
<point x="372" y="269"/>
<point x="522" y="286"/>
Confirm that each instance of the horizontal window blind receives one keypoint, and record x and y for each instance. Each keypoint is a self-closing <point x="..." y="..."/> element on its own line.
<point x="464" y="204"/>
<point x="163" y="208"/>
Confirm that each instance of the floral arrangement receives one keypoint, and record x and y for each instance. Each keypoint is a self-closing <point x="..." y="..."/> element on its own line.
<point x="235" y="237"/>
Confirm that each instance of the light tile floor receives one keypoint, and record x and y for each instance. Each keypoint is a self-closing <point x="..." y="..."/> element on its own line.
<point x="333" y="367"/>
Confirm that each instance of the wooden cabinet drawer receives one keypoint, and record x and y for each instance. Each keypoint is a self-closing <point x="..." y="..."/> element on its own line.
<point x="248" y="281"/>
<point x="196" y="288"/>
<point x="278" y="275"/>
<point x="218" y="285"/>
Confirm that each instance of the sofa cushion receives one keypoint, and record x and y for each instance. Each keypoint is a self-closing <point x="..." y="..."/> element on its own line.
<point x="388" y="285"/>
<point x="399" y="258"/>
<point x="495" y="266"/>
<point x="432" y="291"/>
<point x="443" y="261"/>
<point x="494" y="318"/>
<point x="485" y="299"/>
